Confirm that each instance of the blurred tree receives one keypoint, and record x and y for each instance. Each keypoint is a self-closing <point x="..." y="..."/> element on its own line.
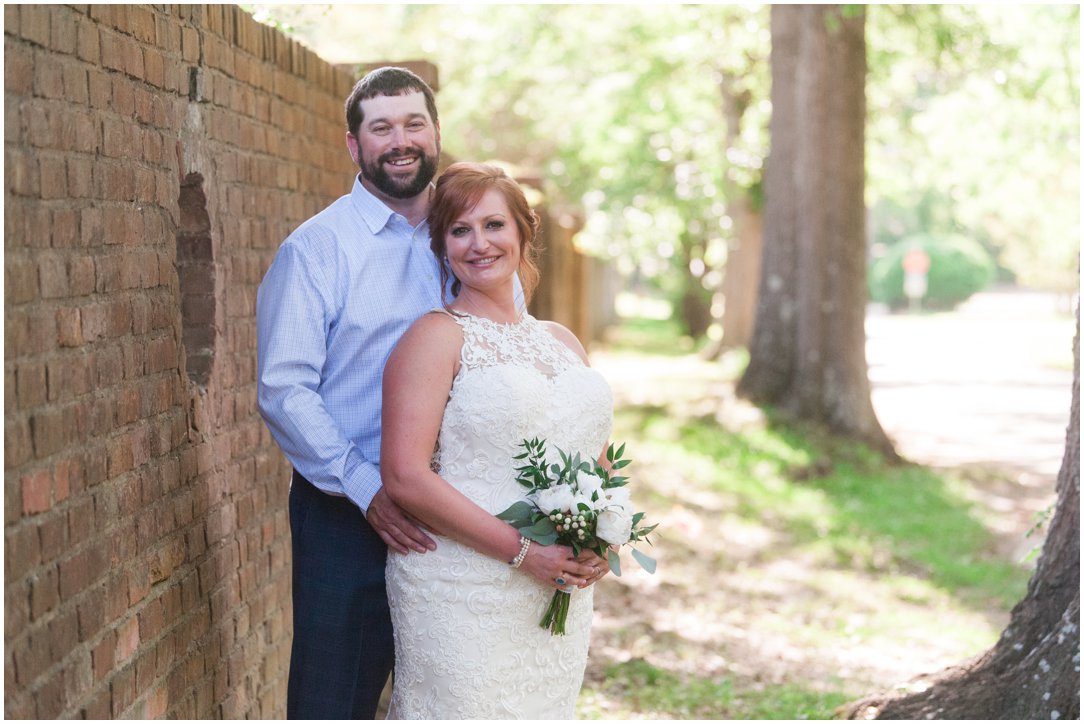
<point x="973" y="128"/>
<point x="807" y="356"/>
<point x="632" y="114"/>
<point x="1033" y="672"/>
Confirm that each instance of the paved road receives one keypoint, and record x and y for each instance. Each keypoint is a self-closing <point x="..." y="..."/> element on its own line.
<point x="988" y="385"/>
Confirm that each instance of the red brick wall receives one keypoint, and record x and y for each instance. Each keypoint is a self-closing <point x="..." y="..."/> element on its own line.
<point x="155" y="157"/>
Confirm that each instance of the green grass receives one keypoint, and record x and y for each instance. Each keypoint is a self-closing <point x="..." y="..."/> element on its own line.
<point x="805" y="541"/>
<point x="841" y="501"/>
<point x="647" y="690"/>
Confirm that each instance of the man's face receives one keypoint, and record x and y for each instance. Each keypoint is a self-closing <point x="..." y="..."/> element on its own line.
<point x="397" y="145"/>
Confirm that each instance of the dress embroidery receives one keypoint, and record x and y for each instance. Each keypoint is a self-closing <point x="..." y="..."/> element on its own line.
<point x="467" y="640"/>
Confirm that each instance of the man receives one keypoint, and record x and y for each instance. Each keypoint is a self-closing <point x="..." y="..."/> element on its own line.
<point x="340" y="292"/>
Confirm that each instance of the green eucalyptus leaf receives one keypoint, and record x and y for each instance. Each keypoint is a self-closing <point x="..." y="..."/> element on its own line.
<point x="614" y="560"/>
<point x="646" y="562"/>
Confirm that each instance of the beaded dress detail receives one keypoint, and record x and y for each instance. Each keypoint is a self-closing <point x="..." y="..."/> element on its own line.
<point x="467" y="640"/>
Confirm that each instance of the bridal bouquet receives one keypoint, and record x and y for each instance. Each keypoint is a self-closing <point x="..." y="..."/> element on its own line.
<point x="577" y="503"/>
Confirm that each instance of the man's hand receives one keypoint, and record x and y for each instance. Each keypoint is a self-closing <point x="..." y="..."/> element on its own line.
<point x="395" y="527"/>
<point x="601" y="566"/>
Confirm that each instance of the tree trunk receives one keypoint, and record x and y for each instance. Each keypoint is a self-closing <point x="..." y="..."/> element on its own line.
<point x="1033" y="672"/>
<point x="807" y="356"/>
<point x="742" y="270"/>
<point x="741" y="275"/>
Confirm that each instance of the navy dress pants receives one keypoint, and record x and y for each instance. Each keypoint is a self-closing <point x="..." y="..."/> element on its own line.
<point x="343" y="649"/>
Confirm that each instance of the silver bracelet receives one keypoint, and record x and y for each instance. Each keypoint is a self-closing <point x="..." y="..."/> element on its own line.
<point x="524" y="544"/>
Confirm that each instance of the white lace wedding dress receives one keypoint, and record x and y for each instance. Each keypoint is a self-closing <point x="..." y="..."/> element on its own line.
<point x="467" y="640"/>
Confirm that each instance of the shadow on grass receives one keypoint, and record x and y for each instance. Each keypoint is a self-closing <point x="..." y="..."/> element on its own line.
<point x="844" y="503"/>
<point x="646" y="688"/>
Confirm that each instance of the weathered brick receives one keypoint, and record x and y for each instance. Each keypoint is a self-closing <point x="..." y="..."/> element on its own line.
<point x="65" y="227"/>
<point x="80" y="177"/>
<point x="37" y="489"/>
<point x="69" y="327"/>
<point x="87" y="41"/>
<point x="34" y="24"/>
<point x="52" y="276"/>
<point x="62" y="33"/>
<point x="54" y="180"/>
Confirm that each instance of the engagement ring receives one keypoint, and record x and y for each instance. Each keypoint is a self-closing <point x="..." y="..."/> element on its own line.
<point x="560" y="581"/>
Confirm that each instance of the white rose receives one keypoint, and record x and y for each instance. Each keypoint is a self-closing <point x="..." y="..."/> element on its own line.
<point x="619" y="497"/>
<point x="614" y="525"/>
<point x="589" y="484"/>
<point x="559" y="497"/>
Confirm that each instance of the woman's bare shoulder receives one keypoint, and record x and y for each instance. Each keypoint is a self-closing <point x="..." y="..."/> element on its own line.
<point x="566" y="337"/>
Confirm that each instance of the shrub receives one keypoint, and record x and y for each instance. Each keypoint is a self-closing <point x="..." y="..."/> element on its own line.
<point x="959" y="267"/>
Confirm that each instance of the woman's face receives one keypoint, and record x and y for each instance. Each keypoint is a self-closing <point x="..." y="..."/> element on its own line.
<point x="483" y="243"/>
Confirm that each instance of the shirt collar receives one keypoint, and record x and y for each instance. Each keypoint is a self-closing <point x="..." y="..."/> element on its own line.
<point x="375" y="213"/>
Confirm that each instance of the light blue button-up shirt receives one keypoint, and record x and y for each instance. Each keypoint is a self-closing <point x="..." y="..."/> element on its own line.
<point x="340" y="292"/>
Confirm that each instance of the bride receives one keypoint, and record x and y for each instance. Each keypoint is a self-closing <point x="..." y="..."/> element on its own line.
<point x="465" y="385"/>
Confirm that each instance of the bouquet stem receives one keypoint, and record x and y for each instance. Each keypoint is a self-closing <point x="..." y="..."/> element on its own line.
<point x="557" y="613"/>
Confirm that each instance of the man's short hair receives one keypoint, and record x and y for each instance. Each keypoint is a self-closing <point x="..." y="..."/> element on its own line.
<point x="386" y="81"/>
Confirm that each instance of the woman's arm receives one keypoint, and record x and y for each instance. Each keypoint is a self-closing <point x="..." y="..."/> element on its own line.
<point x="417" y="379"/>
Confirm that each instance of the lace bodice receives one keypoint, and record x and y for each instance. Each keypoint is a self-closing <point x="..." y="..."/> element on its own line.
<point x="468" y="644"/>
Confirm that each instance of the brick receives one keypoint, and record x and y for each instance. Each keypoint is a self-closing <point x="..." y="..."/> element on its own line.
<point x="116" y="138"/>
<point x="18" y="446"/>
<point x="63" y="634"/>
<point x="100" y="705"/>
<point x="91" y="612"/>
<point x="102" y="656"/>
<point x="82" y="569"/>
<point x="37" y="490"/>
<point x="123" y="101"/>
<point x="22" y="551"/>
<point x="80" y="177"/>
<point x="21" y="174"/>
<point x="124" y="693"/>
<point x="34" y="24"/>
<point x="46" y="430"/>
<point x="141" y="23"/>
<point x="91" y="227"/>
<point x="62" y="32"/>
<point x="100" y="88"/>
<point x="87" y="41"/>
<point x="69" y="327"/>
<point x="54" y="179"/>
<point x="20" y="281"/>
<point x="80" y="275"/>
<point x="54" y="537"/>
<point x="190" y="50"/>
<point x="111" y="50"/>
<point x="53" y="277"/>
<point x="50" y="697"/>
<point x="44" y="593"/>
<point x="31" y="657"/>
<point x="18" y="68"/>
<point x="65" y="225"/>
<point x="65" y="473"/>
<point x="154" y="66"/>
<point x="80" y="520"/>
<point x="11" y="19"/>
<point x="127" y="639"/>
<point x="48" y="80"/>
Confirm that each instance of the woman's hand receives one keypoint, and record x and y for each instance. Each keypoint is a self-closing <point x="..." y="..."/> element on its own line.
<point x="554" y="566"/>
<point x="599" y="567"/>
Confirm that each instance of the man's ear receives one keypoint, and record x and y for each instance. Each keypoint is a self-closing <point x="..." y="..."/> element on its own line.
<point x="352" y="146"/>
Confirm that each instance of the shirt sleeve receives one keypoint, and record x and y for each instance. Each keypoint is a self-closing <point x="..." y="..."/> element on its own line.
<point x="294" y="312"/>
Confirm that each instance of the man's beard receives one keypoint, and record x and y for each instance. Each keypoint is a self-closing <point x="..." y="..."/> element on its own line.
<point x="379" y="176"/>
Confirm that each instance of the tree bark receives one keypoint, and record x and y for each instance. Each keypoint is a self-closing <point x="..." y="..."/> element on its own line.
<point x="742" y="272"/>
<point x="1033" y="672"/>
<point x="807" y="356"/>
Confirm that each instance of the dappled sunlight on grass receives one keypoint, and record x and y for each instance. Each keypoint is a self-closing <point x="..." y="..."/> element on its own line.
<point x="795" y="571"/>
